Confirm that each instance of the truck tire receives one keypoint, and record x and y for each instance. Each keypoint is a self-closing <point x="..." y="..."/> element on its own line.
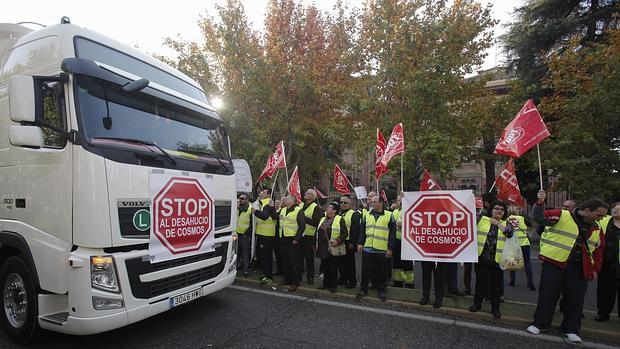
<point x="19" y="301"/>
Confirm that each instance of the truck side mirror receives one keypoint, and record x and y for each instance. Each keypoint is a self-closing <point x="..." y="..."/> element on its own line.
<point x="22" y="99"/>
<point x="26" y="136"/>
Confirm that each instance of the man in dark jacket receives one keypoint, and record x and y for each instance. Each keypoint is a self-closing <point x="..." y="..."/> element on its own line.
<point x="352" y="220"/>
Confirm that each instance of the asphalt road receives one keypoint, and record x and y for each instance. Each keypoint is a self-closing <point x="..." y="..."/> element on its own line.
<point x="238" y="317"/>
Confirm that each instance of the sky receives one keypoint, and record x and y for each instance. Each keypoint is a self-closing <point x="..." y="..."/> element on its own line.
<point x="139" y="23"/>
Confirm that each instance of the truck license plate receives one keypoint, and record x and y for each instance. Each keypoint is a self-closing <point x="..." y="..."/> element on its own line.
<point x="185" y="297"/>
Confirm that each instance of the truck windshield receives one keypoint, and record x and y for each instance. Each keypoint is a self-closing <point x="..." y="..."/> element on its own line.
<point x="107" y="112"/>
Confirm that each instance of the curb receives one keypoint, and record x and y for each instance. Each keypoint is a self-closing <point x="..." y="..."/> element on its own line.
<point x="508" y="320"/>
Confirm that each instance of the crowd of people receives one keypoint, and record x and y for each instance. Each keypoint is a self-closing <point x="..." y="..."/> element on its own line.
<point x="578" y="243"/>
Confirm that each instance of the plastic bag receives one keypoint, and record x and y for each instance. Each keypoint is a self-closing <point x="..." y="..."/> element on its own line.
<point x="512" y="256"/>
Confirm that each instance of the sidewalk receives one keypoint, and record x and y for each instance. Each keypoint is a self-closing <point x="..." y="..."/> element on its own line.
<point x="516" y="314"/>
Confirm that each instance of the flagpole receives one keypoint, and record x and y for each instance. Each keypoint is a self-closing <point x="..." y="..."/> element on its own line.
<point x="273" y="185"/>
<point x="285" y="166"/>
<point x="539" y="167"/>
<point x="351" y="185"/>
<point x="402" y="187"/>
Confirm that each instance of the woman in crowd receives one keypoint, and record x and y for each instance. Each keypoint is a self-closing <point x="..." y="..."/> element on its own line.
<point x="331" y="234"/>
<point x="492" y="233"/>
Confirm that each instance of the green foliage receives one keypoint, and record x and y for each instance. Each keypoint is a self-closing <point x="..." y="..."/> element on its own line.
<point x="585" y="119"/>
<point x="323" y="81"/>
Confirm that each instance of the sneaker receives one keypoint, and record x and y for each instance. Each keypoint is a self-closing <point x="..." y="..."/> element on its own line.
<point x="265" y="280"/>
<point x="571" y="337"/>
<point x="474" y="308"/>
<point x="533" y="329"/>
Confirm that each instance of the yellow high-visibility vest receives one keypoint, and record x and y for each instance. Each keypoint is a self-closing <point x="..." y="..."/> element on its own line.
<point x="484" y="226"/>
<point x="377" y="231"/>
<point x="310" y="229"/>
<point x="557" y="241"/>
<point x="288" y="221"/>
<point x="399" y="230"/>
<point x="265" y="227"/>
<point x="521" y="231"/>
<point x="243" y="221"/>
<point x="335" y="227"/>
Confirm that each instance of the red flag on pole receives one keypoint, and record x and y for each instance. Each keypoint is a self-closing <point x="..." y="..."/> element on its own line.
<point x="319" y="194"/>
<point x="428" y="182"/>
<point x="274" y="162"/>
<point x="379" y="150"/>
<point x="508" y="186"/>
<point x="293" y="186"/>
<point x="384" y="196"/>
<point x="525" y="131"/>
<point x="269" y="169"/>
<point x="278" y="156"/>
<point x="395" y="145"/>
<point x="341" y="183"/>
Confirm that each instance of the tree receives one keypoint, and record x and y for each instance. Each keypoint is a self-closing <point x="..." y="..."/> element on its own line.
<point x="546" y="26"/>
<point x="585" y="104"/>
<point x="413" y="56"/>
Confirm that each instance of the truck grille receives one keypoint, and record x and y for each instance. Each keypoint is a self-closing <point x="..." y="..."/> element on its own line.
<point x="145" y="290"/>
<point x="128" y="230"/>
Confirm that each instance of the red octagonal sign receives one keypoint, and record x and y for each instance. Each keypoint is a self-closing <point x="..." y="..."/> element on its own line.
<point x="183" y="213"/>
<point x="438" y="225"/>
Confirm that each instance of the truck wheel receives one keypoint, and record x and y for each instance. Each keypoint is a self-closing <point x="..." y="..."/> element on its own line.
<point x="19" y="301"/>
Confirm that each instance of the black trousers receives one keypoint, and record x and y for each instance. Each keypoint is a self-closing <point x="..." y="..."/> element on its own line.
<point x="346" y="267"/>
<point x="308" y="246"/>
<point x="608" y="288"/>
<point x="436" y="272"/>
<point x="553" y="282"/>
<point x="452" y="270"/>
<point x="276" y="252"/>
<point x="291" y="261"/>
<point x="489" y="279"/>
<point x="330" y="271"/>
<point x="265" y="254"/>
<point x="373" y="269"/>
<point x="245" y="246"/>
<point x="467" y="267"/>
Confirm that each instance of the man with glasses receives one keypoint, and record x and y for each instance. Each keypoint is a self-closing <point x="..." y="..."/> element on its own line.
<point x="352" y="220"/>
<point x="244" y="233"/>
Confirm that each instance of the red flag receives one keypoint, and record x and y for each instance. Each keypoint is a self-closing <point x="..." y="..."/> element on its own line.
<point x="382" y="193"/>
<point x="525" y="131"/>
<point x="269" y="170"/>
<point x="293" y="186"/>
<point x="278" y="156"/>
<point x="274" y="162"/>
<point x="479" y="202"/>
<point x="395" y="145"/>
<point x="379" y="150"/>
<point x="341" y="183"/>
<point x="508" y="186"/>
<point x="428" y="182"/>
<point x="319" y="194"/>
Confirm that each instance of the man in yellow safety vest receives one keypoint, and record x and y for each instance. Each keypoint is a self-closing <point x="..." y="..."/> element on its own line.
<point x="244" y="233"/>
<point x="313" y="213"/>
<point x="376" y="243"/>
<point x="571" y="250"/>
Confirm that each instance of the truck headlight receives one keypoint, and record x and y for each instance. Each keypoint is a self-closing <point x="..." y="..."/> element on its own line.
<point x="235" y="243"/>
<point x="103" y="274"/>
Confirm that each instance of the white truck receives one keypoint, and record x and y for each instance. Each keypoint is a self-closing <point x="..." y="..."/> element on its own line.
<point x="84" y="121"/>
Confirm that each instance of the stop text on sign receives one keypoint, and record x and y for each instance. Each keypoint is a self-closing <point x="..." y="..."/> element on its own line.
<point x="439" y="226"/>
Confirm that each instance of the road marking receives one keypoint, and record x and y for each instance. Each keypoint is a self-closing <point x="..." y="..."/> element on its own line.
<point x="439" y="320"/>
